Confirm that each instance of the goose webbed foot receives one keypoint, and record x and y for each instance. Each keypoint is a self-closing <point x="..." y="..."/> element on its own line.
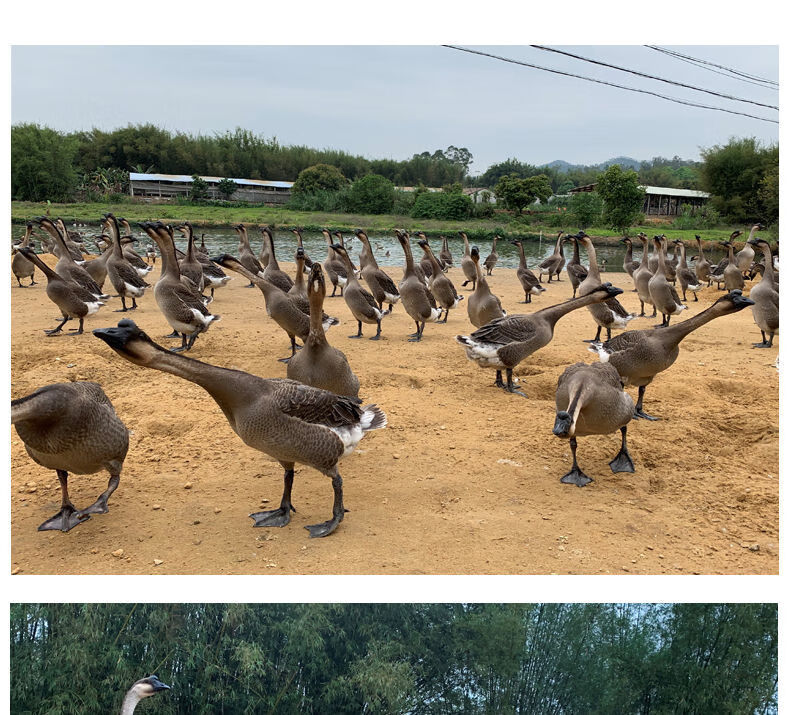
<point x="499" y="382"/>
<point x="273" y="517"/>
<point x="641" y="414"/>
<point x="100" y="505"/>
<point x="65" y="520"/>
<point x="286" y="360"/>
<point x="576" y="476"/>
<point x="622" y="461"/>
<point x="318" y="531"/>
<point x="174" y="334"/>
<point x="761" y="345"/>
<point x="338" y="512"/>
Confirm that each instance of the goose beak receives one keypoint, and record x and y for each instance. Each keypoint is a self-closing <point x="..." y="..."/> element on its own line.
<point x="157" y="684"/>
<point x="117" y="338"/>
<point x="740" y="300"/>
<point x="562" y="425"/>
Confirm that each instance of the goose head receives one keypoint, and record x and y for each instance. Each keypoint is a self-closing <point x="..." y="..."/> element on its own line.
<point x="733" y="302"/>
<point x="150" y="686"/>
<point x="315" y="282"/>
<point x="130" y="342"/>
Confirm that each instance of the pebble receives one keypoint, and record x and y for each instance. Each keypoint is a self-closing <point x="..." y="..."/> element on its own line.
<point x="196" y="522"/>
<point x="217" y="510"/>
<point x="118" y="553"/>
<point x="15" y="570"/>
<point x="156" y="507"/>
<point x="158" y="562"/>
<point x="396" y="456"/>
<point x="94" y="551"/>
<point x="188" y="485"/>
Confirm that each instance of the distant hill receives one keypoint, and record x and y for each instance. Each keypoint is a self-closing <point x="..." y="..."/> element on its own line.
<point x="624" y="161"/>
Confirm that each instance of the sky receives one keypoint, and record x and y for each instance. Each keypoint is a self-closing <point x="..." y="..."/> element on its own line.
<point x="395" y="101"/>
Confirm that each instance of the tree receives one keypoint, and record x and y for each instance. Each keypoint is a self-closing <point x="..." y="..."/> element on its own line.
<point x="622" y="197"/>
<point x="586" y="208"/>
<point x="321" y="177"/>
<point x="199" y="188"/>
<point x="516" y="194"/>
<point x="42" y="164"/>
<point x="372" y="194"/>
<point x="442" y="205"/>
<point x="226" y="187"/>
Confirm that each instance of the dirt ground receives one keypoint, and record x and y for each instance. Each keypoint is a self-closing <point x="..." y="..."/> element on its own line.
<point x="464" y="480"/>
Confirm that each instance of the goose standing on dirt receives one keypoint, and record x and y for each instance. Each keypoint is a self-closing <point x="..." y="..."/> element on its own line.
<point x="745" y="256"/>
<point x="419" y="270"/>
<point x="189" y="266"/>
<point x="686" y="277"/>
<point x="663" y="295"/>
<point x="318" y="363"/>
<point x="134" y="258"/>
<point x="307" y="260"/>
<point x="701" y="264"/>
<point x="639" y="355"/>
<point x="733" y="278"/>
<point x="381" y="285"/>
<point x="610" y="313"/>
<point x="22" y="267"/>
<point x="491" y="258"/>
<point x="246" y="257"/>
<point x="124" y="278"/>
<point x="285" y="419"/>
<point x="361" y="303"/>
<point x="143" y="688"/>
<point x="445" y="255"/>
<point x="179" y="300"/>
<point x="629" y="264"/>
<point x="553" y="265"/>
<point x="72" y="427"/>
<point x="150" y="253"/>
<point x="440" y="285"/>
<point x="590" y="400"/>
<point x="529" y="281"/>
<point x="72" y="299"/>
<point x="418" y="301"/>
<point x="642" y="276"/>
<point x="334" y="267"/>
<point x="505" y="342"/>
<point x="577" y="273"/>
<point x="467" y="264"/>
<point x="67" y="267"/>
<point x="483" y="306"/>
<point x="766" y="297"/>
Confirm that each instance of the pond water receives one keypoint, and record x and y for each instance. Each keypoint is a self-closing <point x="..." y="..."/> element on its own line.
<point x="385" y="247"/>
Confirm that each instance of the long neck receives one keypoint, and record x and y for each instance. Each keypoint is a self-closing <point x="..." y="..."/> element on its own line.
<point x="675" y="333"/>
<point x="367" y="254"/>
<point x="299" y="277"/>
<point x="316" y="314"/>
<point x="481" y="287"/>
<point x="554" y="312"/>
<point x="409" y="259"/>
<point x="437" y="269"/>
<point x="352" y="274"/>
<point x="558" y="247"/>
<point x="660" y="253"/>
<point x="522" y="259"/>
<point x="467" y="251"/>
<point x="190" y="246"/>
<point x="629" y="252"/>
<point x="768" y="259"/>
<point x="26" y="239"/>
<point x="730" y="255"/>
<point x="329" y="252"/>
<point x="593" y="269"/>
<point x="65" y="254"/>
<point x="682" y="247"/>
<point x="576" y="252"/>
<point x="751" y="233"/>
<point x="493" y="245"/>
<point x="643" y="262"/>
<point x="45" y="269"/>
<point x="699" y="248"/>
<point x="169" y="263"/>
<point x="130" y="702"/>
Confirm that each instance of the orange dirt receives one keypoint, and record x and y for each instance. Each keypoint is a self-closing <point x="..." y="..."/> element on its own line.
<point x="465" y="479"/>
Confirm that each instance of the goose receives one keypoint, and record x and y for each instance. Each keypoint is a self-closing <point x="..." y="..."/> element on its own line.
<point x="670" y="264"/>
<point x="553" y="265"/>
<point x="639" y="355"/>
<point x="440" y="285"/>
<point x="701" y="264"/>
<point x="97" y="268"/>
<point x="590" y="399"/>
<point x="491" y="258"/>
<point x="629" y="264"/>
<point x="483" y="306"/>
<point x="201" y="249"/>
<point x="247" y="257"/>
<point x="61" y="243"/>
<point x="467" y="264"/>
<point x="766" y="297"/>
<point x="361" y="303"/>
<point x="179" y="299"/>
<point x="642" y="276"/>
<point x="263" y="254"/>
<point x="419" y="271"/>
<point x="272" y="272"/>
<point x="72" y="299"/>
<point x="663" y="295"/>
<point x="381" y="285"/>
<point x="143" y="688"/>
<point x="334" y="267"/>
<point x="285" y="419"/>
<point x="67" y="267"/>
<point x="529" y="281"/>
<point x="122" y="275"/>
<point x="418" y="301"/>
<point x="189" y="266"/>
<point x="308" y="263"/>
<point x="733" y="278"/>
<point x="610" y="313"/>
<point x="21" y="267"/>
<point x="299" y="288"/>
<point x="445" y="255"/>
<point x="213" y="276"/>
<point x="425" y="263"/>
<point x="686" y="277"/>
<point x="577" y="273"/>
<point x="72" y="427"/>
<point x="134" y="258"/>
<point x="504" y="342"/>
<point x="652" y="260"/>
<point x="318" y="363"/>
<point x="745" y="256"/>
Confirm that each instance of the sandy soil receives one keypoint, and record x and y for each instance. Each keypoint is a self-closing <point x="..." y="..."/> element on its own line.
<point x="464" y="480"/>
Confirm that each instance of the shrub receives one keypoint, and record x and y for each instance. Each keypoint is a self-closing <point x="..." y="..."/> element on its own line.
<point x="334" y="201"/>
<point x="226" y="188"/>
<point x="372" y="194"/>
<point x="705" y="217"/>
<point x="199" y="188"/>
<point x="320" y="177"/>
<point x="586" y="208"/>
<point x="622" y="197"/>
<point x="42" y="164"/>
<point x="404" y="202"/>
<point x="442" y="206"/>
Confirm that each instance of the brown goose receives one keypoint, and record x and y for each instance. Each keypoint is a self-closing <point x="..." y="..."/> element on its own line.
<point x="440" y="285"/>
<point x="334" y="267"/>
<point x="61" y="243"/>
<point x="733" y="278"/>
<point x="639" y="355"/>
<point x="445" y="255"/>
<point x="577" y="273"/>
<point x="189" y="266"/>
<point x="122" y="275"/>
<point x="663" y="295"/>
<point x="272" y="272"/>
<point x="318" y="363"/>
<point x="553" y="265"/>
<point x="419" y="270"/>
<point x="529" y="281"/>
<point x="21" y="267"/>
<point x="299" y="288"/>
<point x="629" y="264"/>
<point x="491" y="258"/>
<point x="97" y="268"/>
<point x="766" y="297"/>
<point x="483" y="306"/>
<point x="307" y="260"/>
<point x="143" y="688"/>
<point x="381" y="285"/>
<point x="467" y="264"/>
<point x="590" y="399"/>
<point x="745" y="256"/>
<point x="67" y="267"/>
<point x="134" y="258"/>
<point x="686" y="277"/>
<point x="285" y="419"/>
<point x="505" y="342"/>
<point x="263" y="254"/>
<point x="72" y="299"/>
<point x="418" y="301"/>
<point x="642" y="276"/>
<point x="72" y="427"/>
<point x="701" y="264"/>
<point x="247" y="257"/>
<point x="179" y="300"/>
<point x="361" y="303"/>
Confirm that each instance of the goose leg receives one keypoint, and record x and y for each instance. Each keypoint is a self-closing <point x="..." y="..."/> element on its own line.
<point x="183" y="344"/>
<point x="415" y="337"/>
<point x="464" y="284"/>
<point x="695" y="297"/>
<point x="68" y="517"/>
<point x="446" y="314"/>
<point x="123" y="309"/>
<point x="499" y="382"/>
<point x="251" y="285"/>
<point x="174" y="334"/>
<point x="639" y="413"/>
<point x="359" y="330"/>
<point x="338" y="511"/>
<point x="377" y="336"/>
<point x="575" y="476"/>
<point x="597" y="337"/>
<point x="765" y="343"/>
<point x="192" y="339"/>
<point x="32" y="282"/>
<point x="19" y="280"/>
<point x="281" y="516"/>
<point x="622" y="461"/>
<point x="293" y="350"/>
<point x="100" y="505"/>
<point x="509" y="387"/>
<point x="608" y="334"/>
<point x="77" y="331"/>
<point x="57" y="328"/>
<point x="134" y="303"/>
<point x="641" y="309"/>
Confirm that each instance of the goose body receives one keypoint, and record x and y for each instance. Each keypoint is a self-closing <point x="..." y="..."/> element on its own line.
<point x="467" y="264"/>
<point x="577" y="273"/>
<point x="189" y="266"/>
<point x="21" y="266"/>
<point x="529" y="281"/>
<point x="334" y="267"/>
<point x="491" y="258"/>
<point x="553" y="265"/>
<point x="381" y="285"/>
<point x="766" y="298"/>
<point x="663" y="295"/>
<point x="686" y="277"/>
<point x="360" y="302"/>
<point x="445" y="255"/>
<point x="134" y="258"/>
<point x="67" y="267"/>
<point x="744" y="257"/>
<point x="285" y="419"/>
<point x="440" y="285"/>
<point x="732" y="275"/>
<point x="642" y="276"/>
<point x="418" y="301"/>
<point x="72" y="428"/>
<point x="123" y="277"/>
<point x="483" y="306"/>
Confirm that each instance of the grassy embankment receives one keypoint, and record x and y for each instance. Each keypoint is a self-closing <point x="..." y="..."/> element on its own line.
<point x="284" y="218"/>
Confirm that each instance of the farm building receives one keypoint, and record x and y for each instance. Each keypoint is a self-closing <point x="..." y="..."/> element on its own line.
<point x="661" y="200"/>
<point x="169" y="185"/>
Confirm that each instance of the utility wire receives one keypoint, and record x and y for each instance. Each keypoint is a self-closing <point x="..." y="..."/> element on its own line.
<point x="610" y="84"/>
<point x="694" y="60"/>
<point x="650" y="76"/>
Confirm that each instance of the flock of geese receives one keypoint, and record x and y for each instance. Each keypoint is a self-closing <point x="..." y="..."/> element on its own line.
<point x="315" y="416"/>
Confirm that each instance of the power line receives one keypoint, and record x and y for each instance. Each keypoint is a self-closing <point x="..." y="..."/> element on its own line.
<point x="704" y="64"/>
<point x="650" y="76"/>
<point x="609" y="84"/>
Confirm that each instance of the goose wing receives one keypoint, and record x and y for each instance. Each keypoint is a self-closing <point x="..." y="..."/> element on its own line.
<point x="189" y="297"/>
<point x="386" y="283"/>
<point x="501" y="331"/>
<point x="128" y="274"/>
<point x="617" y="307"/>
<point x="311" y="404"/>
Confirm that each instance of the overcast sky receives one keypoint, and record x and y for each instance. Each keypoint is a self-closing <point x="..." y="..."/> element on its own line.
<point x="395" y="101"/>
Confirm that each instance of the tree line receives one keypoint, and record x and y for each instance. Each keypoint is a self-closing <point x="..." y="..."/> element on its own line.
<point x="397" y="658"/>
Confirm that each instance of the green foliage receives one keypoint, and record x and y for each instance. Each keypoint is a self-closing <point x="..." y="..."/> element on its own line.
<point x="336" y="201"/>
<point x="404" y="202"/>
<point x="516" y="193"/>
<point x="226" y="188"/>
<point x="438" y="205"/>
<point x="768" y="194"/>
<point x="321" y="177"/>
<point x="703" y="217"/>
<point x="586" y="208"/>
<point x="622" y="197"/>
<point x="42" y="164"/>
<point x="372" y="194"/>
<point x="199" y="189"/>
